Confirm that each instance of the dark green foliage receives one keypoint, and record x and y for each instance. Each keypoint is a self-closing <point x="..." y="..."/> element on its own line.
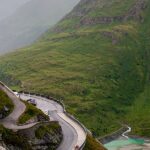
<point x="51" y="133"/>
<point x="50" y="129"/>
<point x="14" y="139"/>
<point x="31" y="112"/>
<point x="5" y="102"/>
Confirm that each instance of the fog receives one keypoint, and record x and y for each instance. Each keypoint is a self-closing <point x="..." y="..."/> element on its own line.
<point x="7" y="7"/>
<point x="23" y="21"/>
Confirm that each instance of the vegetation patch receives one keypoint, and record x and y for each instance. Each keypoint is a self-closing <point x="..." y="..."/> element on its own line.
<point x="51" y="133"/>
<point x="92" y="144"/>
<point x="6" y="105"/>
<point x="32" y="112"/>
<point x="52" y="128"/>
<point x="13" y="139"/>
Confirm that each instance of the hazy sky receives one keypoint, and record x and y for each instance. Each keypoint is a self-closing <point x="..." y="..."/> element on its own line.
<point x="7" y="7"/>
<point x="28" y="20"/>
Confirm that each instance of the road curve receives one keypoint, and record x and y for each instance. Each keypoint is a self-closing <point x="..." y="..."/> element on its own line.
<point x="73" y="133"/>
<point x="10" y="121"/>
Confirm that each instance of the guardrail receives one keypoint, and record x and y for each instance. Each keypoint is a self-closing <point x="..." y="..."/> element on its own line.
<point x="64" y="110"/>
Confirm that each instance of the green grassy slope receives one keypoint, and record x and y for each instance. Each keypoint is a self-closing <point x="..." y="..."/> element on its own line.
<point x="100" y="70"/>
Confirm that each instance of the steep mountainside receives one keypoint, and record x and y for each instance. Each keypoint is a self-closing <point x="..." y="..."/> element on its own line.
<point x="30" y="20"/>
<point x="97" y="60"/>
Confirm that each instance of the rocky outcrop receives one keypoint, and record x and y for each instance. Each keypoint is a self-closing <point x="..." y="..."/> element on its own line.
<point x="4" y="112"/>
<point x="42" y="136"/>
<point x="2" y="145"/>
<point x="111" y="36"/>
<point x="49" y="140"/>
<point x="133" y="13"/>
<point x="2" y="148"/>
<point x="83" y="18"/>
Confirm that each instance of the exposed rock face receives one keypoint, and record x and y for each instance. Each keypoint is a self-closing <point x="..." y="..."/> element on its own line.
<point x="49" y="140"/>
<point x="42" y="136"/>
<point x="81" y="14"/>
<point x="80" y="10"/>
<point x="2" y="144"/>
<point x="100" y="20"/>
<point x="4" y="112"/>
<point x="42" y="118"/>
<point x="11" y="147"/>
<point x="133" y="13"/>
<point x="111" y="36"/>
<point x="2" y="148"/>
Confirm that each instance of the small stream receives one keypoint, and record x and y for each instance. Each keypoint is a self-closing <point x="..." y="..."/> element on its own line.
<point x="124" y="141"/>
<point x="126" y="132"/>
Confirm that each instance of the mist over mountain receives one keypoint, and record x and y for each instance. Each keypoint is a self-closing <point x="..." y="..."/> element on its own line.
<point x="29" y="21"/>
<point x="7" y="7"/>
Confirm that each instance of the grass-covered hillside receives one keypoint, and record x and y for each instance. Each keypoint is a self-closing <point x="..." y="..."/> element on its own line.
<point x="97" y="60"/>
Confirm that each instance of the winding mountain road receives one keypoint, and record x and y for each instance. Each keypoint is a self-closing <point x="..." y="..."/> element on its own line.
<point x="73" y="133"/>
